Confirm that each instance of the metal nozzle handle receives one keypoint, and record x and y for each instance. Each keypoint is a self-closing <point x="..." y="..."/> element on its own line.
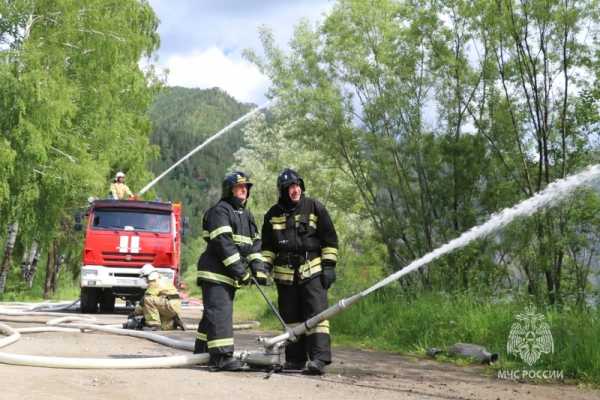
<point x="271" y="306"/>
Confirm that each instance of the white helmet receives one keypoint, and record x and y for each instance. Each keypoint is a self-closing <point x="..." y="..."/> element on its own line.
<point x="146" y="270"/>
<point x="119" y="174"/>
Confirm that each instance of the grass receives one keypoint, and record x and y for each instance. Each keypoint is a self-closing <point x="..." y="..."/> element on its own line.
<point x="249" y="304"/>
<point x="388" y="321"/>
<point x="16" y="289"/>
<point x="391" y="322"/>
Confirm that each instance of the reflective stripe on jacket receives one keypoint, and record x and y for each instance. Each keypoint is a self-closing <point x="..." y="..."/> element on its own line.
<point x="295" y="243"/>
<point x="232" y="242"/>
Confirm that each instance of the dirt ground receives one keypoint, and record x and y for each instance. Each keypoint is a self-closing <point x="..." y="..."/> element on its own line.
<point x="354" y="374"/>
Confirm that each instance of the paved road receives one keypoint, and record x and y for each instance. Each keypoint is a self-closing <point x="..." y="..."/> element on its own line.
<point x="354" y="375"/>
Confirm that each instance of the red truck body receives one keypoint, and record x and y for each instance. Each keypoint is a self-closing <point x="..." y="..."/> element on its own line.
<point x="120" y="237"/>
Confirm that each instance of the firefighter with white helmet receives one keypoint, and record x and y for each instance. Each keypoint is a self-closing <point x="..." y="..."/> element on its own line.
<point x="161" y="305"/>
<point x="118" y="189"/>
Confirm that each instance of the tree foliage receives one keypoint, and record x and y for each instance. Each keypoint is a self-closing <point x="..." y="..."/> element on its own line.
<point x="442" y="113"/>
<point x="73" y="108"/>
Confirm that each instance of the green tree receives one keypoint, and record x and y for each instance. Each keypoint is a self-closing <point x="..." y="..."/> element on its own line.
<point x="445" y="112"/>
<point x="75" y="104"/>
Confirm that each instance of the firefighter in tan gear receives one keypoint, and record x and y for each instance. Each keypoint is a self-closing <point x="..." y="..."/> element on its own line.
<point x="161" y="305"/>
<point x="232" y="255"/>
<point x="300" y="243"/>
<point x="118" y="189"/>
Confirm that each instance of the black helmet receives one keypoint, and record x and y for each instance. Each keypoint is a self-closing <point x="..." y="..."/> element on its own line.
<point x="287" y="178"/>
<point x="233" y="179"/>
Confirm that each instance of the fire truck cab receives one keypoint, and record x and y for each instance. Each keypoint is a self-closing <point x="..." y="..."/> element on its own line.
<point x="120" y="237"/>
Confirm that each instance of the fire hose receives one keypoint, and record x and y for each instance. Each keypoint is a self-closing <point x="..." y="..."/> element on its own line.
<point x="83" y="323"/>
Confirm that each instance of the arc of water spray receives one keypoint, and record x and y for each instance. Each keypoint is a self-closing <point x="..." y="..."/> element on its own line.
<point x="551" y="195"/>
<point x="205" y="143"/>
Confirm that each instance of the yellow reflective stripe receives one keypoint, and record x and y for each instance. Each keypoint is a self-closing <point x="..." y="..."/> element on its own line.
<point x="242" y="239"/>
<point x="331" y="257"/>
<point x="268" y="256"/>
<point x="279" y="227"/>
<point x="277" y="220"/>
<point x="261" y="274"/>
<point x="312" y="224"/>
<point x="283" y="273"/>
<point x="231" y="259"/>
<point x="254" y="256"/>
<point x="286" y="273"/>
<point x="283" y="269"/>
<point x="220" y="343"/>
<point x="329" y="253"/>
<point x="211" y="276"/>
<point x="322" y="327"/>
<point x="310" y="268"/>
<point x="201" y="336"/>
<point x="223" y="229"/>
<point x="279" y="277"/>
<point x="256" y="237"/>
<point x="205" y="235"/>
<point x="311" y="217"/>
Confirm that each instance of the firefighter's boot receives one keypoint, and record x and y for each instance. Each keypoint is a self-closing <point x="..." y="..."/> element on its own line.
<point x="315" y="367"/>
<point x="227" y="362"/>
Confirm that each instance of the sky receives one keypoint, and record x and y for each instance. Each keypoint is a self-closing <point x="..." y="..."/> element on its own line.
<point x="202" y="41"/>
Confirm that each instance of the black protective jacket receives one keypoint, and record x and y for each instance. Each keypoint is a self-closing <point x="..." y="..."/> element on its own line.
<point x="233" y="242"/>
<point x="297" y="241"/>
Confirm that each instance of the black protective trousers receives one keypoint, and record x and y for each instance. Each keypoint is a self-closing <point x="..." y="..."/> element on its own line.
<point x="215" y="330"/>
<point x="297" y="303"/>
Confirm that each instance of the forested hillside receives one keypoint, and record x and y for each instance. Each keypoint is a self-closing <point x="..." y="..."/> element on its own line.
<point x="182" y="119"/>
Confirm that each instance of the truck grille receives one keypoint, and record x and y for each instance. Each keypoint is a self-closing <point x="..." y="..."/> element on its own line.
<point x="128" y="259"/>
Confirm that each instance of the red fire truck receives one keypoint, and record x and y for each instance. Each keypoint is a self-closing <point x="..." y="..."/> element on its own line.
<point x="120" y="237"/>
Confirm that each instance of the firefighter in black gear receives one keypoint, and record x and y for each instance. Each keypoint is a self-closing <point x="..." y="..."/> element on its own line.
<point x="232" y="255"/>
<point x="299" y="243"/>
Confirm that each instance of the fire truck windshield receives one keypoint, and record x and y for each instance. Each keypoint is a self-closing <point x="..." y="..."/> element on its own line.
<point x="131" y="220"/>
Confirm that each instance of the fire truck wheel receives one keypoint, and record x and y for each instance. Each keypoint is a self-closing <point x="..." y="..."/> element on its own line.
<point x="89" y="300"/>
<point x="107" y="302"/>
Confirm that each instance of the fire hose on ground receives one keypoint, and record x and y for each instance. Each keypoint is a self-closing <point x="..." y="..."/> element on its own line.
<point x="75" y="323"/>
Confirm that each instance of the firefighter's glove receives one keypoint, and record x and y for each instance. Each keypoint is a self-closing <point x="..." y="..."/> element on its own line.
<point x="240" y="272"/>
<point x="328" y="276"/>
<point x="245" y="279"/>
<point x="259" y="271"/>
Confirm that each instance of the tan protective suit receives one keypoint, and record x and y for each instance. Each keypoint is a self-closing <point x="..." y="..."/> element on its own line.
<point x="120" y="191"/>
<point x="161" y="304"/>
